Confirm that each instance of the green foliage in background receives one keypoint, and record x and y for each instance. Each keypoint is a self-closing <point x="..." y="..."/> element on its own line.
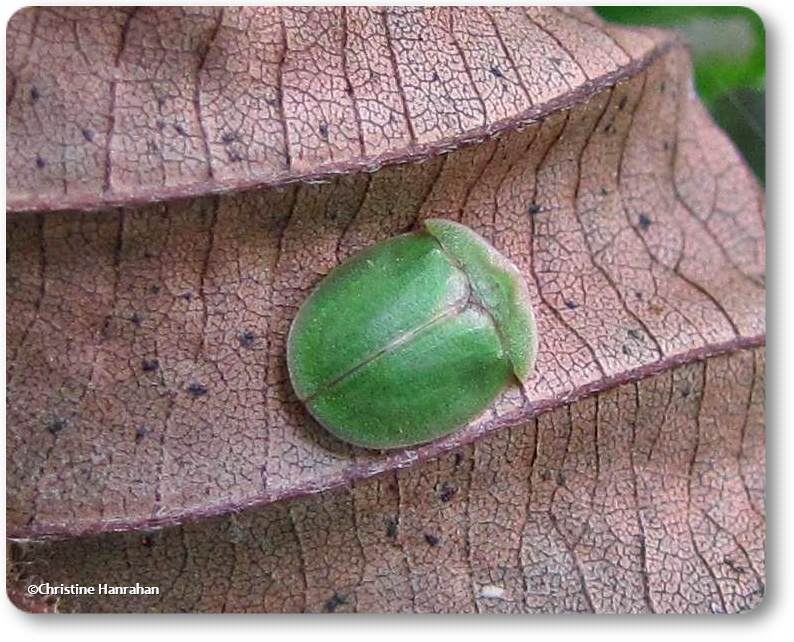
<point x="728" y="52"/>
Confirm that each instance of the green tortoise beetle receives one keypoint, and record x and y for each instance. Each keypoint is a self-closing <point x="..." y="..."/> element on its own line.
<point x="412" y="337"/>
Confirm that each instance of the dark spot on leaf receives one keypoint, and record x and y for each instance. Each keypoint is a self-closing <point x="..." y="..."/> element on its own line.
<point x="435" y="77"/>
<point x="148" y="540"/>
<point x="545" y="475"/>
<point x="497" y="72"/>
<point x="187" y="296"/>
<point x="228" y="137"/>
<point x="150" y="365"/>
<point x="736" y="568"/>
<point x="88" y="135"/>
<point x="662" y="87"/>
<point x="57" y="425"/>
<point x="234" y="156"/>
<point x="106" y="327"/>
<point x="140" y="434"/>
<point x="625" y="350"/>
<point x="40" y="162"/>
<point x="604" y="191"/>
<point x="560" y="478"/>
<point x="34" y="94"/>
<point x="432" y="540"/>
<point x="348" y="88"/>
<point x="272" y="102"/>
<point x="247" y="339"/>
<point x="644" y="222"/>
<point x="391" y="528"/>
<point x="136" y="319"/>
<point x="571" y="305"/>
<point x="458" y="459"/>
<point x="196" y="389"/>
<point x="638" y="295"/>
<point x="324" y="130"/>
<point x="180" y="130"/>
<point x="447" y="492"/>
<point x="334" y="603"/>
<point x="533" y="208"/>
<point x="635" y="334"/>
<point x="622" y="103"/>
<point x="155" y="289"/>
<point x="609" y="128"/>
<point x="686" y="389"/>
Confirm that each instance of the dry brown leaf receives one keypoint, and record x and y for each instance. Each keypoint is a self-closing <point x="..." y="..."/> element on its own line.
<point x="146" y="378"/>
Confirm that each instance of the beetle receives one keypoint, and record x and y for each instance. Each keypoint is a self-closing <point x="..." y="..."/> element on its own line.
<point x="412" y="338"/>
